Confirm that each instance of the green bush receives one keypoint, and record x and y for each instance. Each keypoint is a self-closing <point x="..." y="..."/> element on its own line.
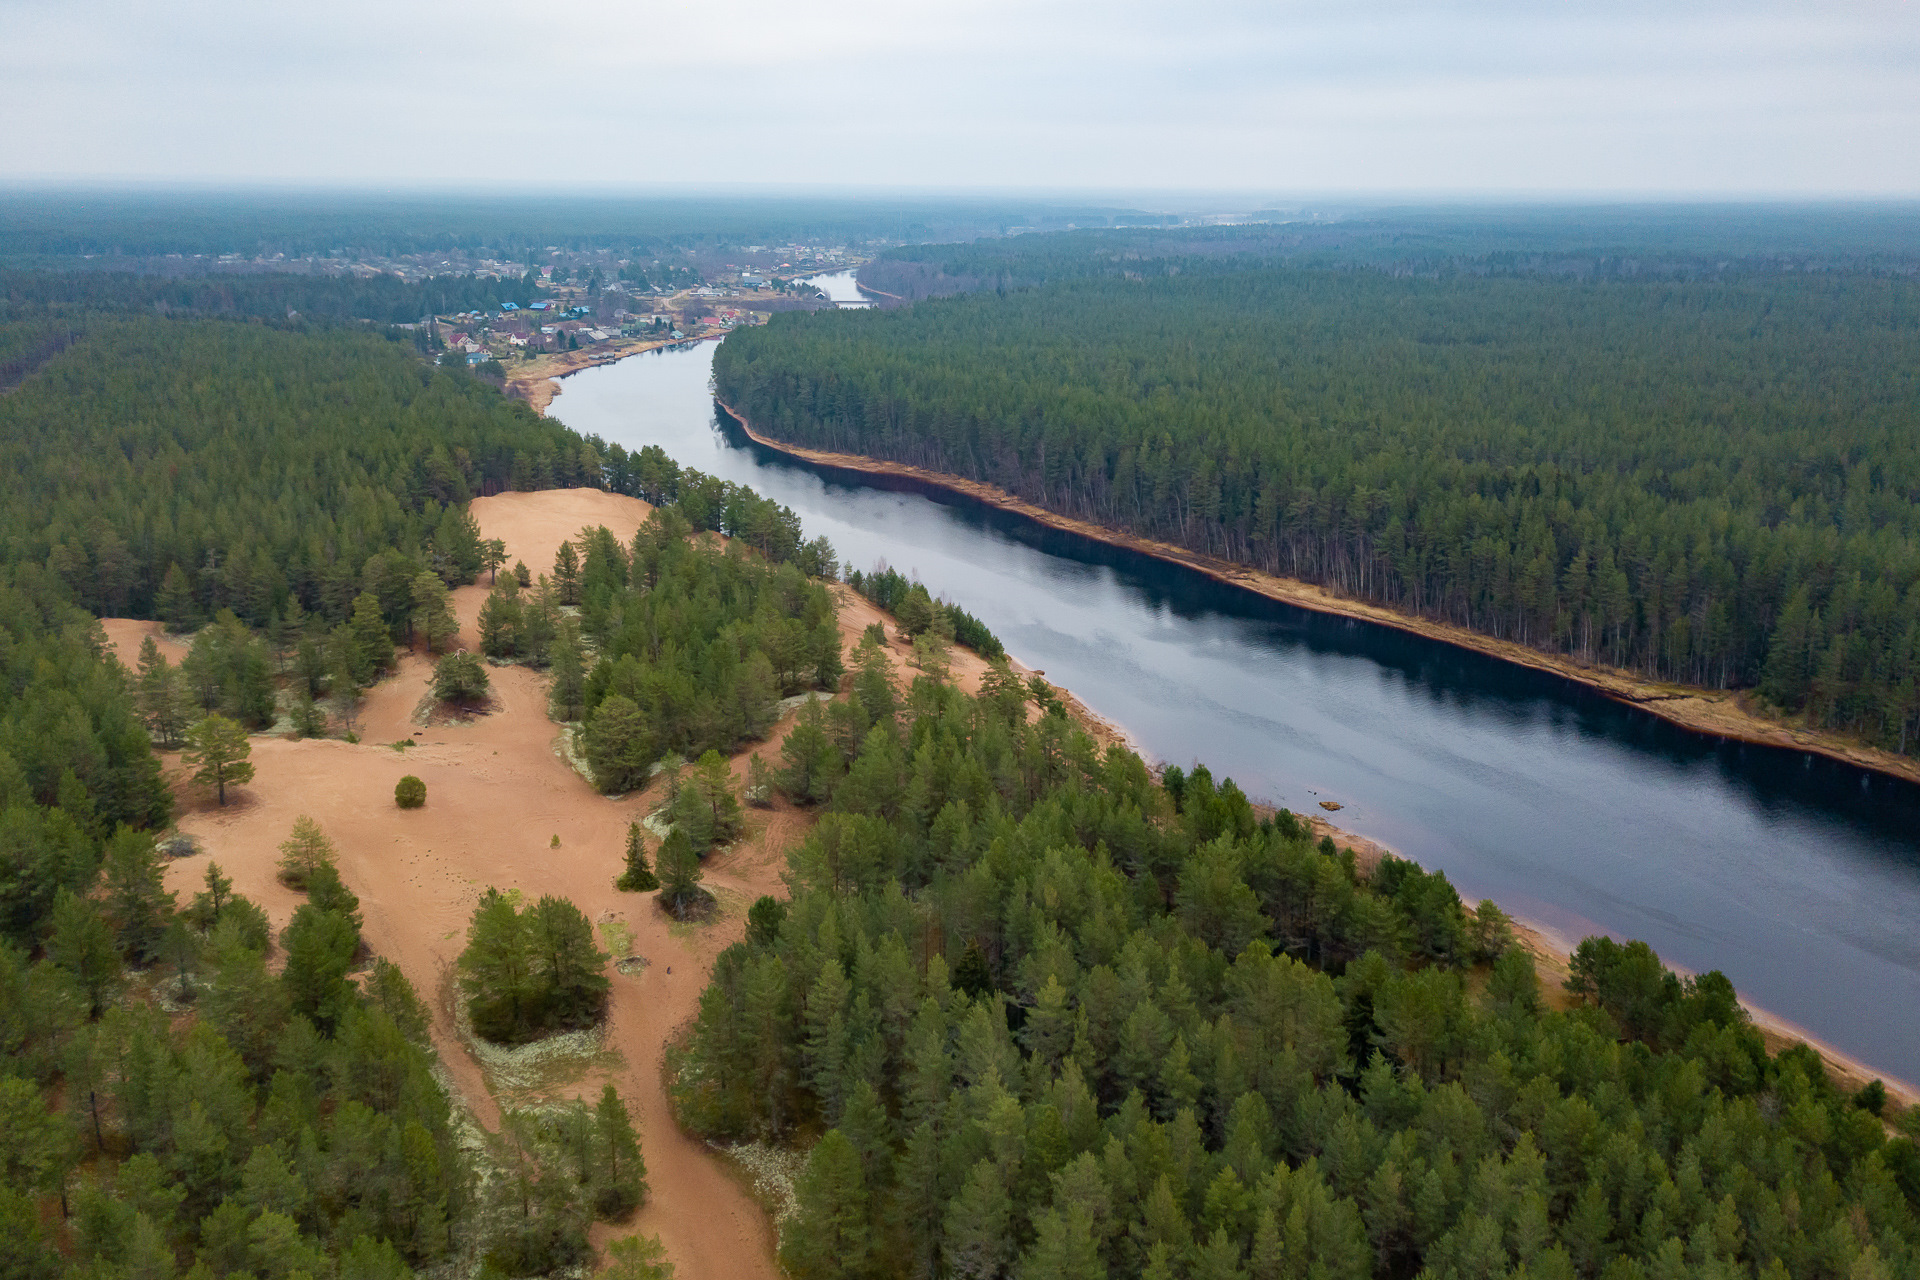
<point x="409" y="792"/>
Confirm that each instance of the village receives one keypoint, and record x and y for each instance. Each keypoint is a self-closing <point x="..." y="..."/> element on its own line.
<point x="616" y="305"/>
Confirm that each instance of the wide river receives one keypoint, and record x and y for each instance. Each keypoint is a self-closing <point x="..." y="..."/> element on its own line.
<point x="1798" y="877"/>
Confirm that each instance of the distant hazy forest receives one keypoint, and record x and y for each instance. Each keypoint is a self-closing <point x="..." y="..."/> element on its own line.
<point x="60" y="227"/>
<point x="1707" y="475"/>
<point x="384" y="299"/>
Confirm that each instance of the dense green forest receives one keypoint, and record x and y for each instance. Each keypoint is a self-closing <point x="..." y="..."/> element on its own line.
<point x="1041" y="1017"/>
<point x="1708" y="481"/>
<point x="173" y="468"/>
<point x="182" y="1090"/>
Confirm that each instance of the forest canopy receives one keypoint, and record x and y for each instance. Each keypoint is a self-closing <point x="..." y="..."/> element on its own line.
<point x="1711" y="481"/>
<point x="239" y="466"/>
<point x="1056" y="1019"/>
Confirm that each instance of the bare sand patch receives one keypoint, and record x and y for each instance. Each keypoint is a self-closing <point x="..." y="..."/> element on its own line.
<point x="533" y="525"/>
<point x="497" y="795"/>
<point x="127" y="634"/>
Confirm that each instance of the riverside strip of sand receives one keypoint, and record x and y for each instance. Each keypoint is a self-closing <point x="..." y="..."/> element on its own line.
<point x="538" y="380"/>
<point x="1721" y="713"/>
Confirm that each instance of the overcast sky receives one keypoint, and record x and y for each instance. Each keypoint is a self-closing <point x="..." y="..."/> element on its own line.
<point x="1534" y="97"/>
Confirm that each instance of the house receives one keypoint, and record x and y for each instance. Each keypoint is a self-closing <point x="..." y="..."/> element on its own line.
<point x="538" y="306"/>
<point x="509" y="306"/>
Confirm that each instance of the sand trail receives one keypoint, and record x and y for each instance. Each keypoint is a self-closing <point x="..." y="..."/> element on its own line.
<point x="497" y="796"/>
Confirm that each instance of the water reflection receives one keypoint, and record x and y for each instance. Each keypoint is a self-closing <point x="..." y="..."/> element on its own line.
<point x="1798" y="876"/>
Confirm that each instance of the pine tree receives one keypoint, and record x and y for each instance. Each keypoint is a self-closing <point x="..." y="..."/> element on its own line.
<point x="618" y="745"/>
<point x="812" y="761"/>
<point x="37" y="1147"/>
<point x="461" y="679"/>
<point x="569" y="970"/>
<point x="162" y="695"/>
<point x="680" y="875"/>
<point x="493" y="554"/>
<point x="371" y="645"/>
<point x="638" y="876"/>
<point x="174" y="601"/>
<point x="137" y="900"/>
<point x="82" y="943"/>
<point x="829" y="1237"/>
<point x="217" y="751"/>
<point x="304" y="852"/>
<point x="569" y="673"/>
<point x="500" y="621"/>
<point x="566" y="573"/>
<point x="204" y="910"/>
<point x="433" y="620"/>
<point x="620" y="1180"/>
<point x="496" y="971"/>
<point x="637" y="1258"/>
<point x="321" y="946"/>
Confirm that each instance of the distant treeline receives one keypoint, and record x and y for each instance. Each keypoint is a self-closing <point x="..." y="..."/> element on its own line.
<point x="1708" y="481"/>
<point x="1654" y="242"/>
<point x="56" y="224"/>
<point x="384" y="299"/>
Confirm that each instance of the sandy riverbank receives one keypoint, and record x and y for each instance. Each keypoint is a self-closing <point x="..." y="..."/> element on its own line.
<point x="1719" y="713"/>
<point x="537" y="380"/>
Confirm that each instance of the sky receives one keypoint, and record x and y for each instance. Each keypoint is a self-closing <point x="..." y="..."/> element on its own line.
<point x="1528" y="98"/>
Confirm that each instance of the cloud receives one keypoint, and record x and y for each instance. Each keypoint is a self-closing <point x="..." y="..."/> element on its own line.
<point x="1580" y="97"/>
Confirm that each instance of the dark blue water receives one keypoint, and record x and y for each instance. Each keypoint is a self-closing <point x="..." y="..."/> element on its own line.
<point x="1798" y="877"/>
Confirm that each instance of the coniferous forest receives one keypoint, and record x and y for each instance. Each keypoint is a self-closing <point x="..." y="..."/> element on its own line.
<point x="1708" y="480"/>
<point x="1051" y="1018"/>
<point x="1032" y="1010"/>
<point x="183" y="1091"/>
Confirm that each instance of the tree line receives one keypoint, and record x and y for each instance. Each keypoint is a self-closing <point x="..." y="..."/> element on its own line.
<point x="277" y="296"/>
<point x="1710" y="482"/>
<point x="174" y="468"/>
<point x="1053" y="1018"/>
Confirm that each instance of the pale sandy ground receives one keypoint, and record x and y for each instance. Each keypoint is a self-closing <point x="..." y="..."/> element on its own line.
<point x="497" y="794"/>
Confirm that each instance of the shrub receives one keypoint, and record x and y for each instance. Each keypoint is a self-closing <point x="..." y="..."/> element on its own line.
<point x="409" y="792"/>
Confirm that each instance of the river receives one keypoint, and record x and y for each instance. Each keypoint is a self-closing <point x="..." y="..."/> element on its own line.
<point x="1797" y="876"/>
<point x="841" y="289"/>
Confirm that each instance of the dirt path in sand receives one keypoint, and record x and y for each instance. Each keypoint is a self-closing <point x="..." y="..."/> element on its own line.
<point x="497" y="796"/>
